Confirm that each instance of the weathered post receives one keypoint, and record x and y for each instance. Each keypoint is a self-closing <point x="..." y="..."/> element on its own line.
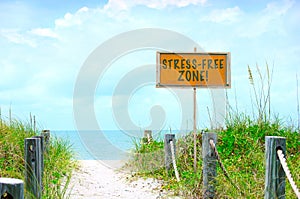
<point x="11" y="188"/>
<point x="209" y="165"/>
<point x="42" y="142"/>
<point x="168" y="152"/>
<point x="42" y="147"/>
<point x="275" y="176"/>
<point x="33" y="167"/>
<point x="46" y="135"/>
<point x="148" y="135"/>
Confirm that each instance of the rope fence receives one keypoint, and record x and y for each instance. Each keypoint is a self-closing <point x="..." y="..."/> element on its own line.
<point x="287" y="172"/>
<point x="174" y="161"/>
<point x="213" y="146"/>
<point x="276" y="168"/>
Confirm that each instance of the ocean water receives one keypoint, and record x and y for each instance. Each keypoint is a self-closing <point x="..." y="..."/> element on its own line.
<point x="104" y="145"/>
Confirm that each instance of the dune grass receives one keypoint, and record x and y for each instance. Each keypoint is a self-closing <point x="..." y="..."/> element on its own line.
<point x="58" y="161"/>
<point x="241" y="145"/>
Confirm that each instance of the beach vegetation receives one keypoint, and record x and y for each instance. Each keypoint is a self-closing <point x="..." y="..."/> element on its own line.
<point x="58" y="160"/>
<point x="241" y="146"/>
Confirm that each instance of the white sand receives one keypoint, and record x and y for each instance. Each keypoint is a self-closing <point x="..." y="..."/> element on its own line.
<point x="95" y="180"/>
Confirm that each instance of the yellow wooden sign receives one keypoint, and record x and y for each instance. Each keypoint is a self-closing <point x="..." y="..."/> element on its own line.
<point x="193" y="69"/>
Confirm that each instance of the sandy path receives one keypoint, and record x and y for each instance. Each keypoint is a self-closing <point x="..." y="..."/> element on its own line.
<point x="94" y="180"/>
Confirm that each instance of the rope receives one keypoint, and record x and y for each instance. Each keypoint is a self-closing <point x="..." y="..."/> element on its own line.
<point x="213" y="146"/>
<point x="287" y="172"/>
<point x="174" y="161"/>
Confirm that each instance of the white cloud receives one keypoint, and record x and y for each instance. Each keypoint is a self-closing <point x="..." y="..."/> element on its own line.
<point x="44" y="32"/>
<point x="72" y="19"/>
<point x="228" y="15"/>
<point x="275" y="9"/>
<point x="269" y="19"/>
<point x="16" y="37"/>
<point x="117" y="5"/>
<point x="156" y="4"/>
<point x="118" y="8"/>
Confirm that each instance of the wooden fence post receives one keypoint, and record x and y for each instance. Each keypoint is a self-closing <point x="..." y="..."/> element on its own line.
<point x="11" y="188"/>
<point x="33" y="167"/>
<point x="168" y="153"/>
<point x="209" y="165"/>
<point x="43" y="149"/>
<point x="46" y="135"/>
<point x="275" y="176"/>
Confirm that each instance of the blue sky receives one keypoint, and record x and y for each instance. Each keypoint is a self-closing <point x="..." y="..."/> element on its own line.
<point x="44" y="45"/>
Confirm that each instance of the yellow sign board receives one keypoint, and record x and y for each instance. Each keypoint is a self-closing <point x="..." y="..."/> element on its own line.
<point x="193" y="69"/>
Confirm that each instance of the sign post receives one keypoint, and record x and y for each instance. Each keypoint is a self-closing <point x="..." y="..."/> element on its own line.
<point x="202" y="70"/>
<point x="195" y="125"/>
<point x="195" y="129"/>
